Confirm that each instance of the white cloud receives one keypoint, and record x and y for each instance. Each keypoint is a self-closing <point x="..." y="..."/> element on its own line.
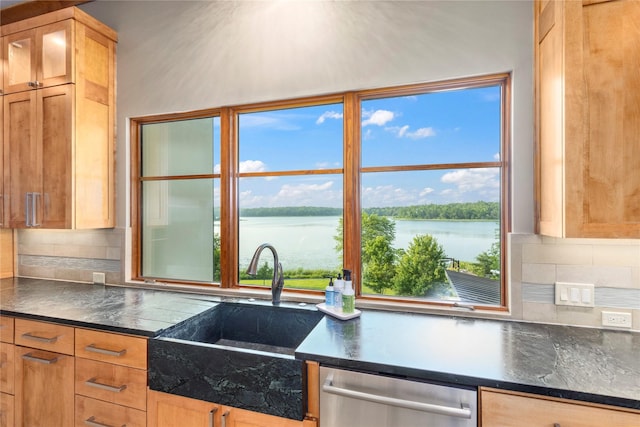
<point x="253" y="166"/>
<point x="426" y="190"/>
<point x="328" y="115"/>
<point x="378" y="117"/>
<point x="403" y="132"/>
<point x="466" y="180"/>
<point x="496" y="157"/>
<point x="422" y="133"/>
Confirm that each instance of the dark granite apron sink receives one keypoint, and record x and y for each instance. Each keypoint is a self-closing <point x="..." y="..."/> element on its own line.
<point x="236" y="354"/>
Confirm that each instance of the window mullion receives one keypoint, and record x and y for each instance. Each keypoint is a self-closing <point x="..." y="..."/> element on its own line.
<point x="228" y="201"/>
<point x="351" y="200"/>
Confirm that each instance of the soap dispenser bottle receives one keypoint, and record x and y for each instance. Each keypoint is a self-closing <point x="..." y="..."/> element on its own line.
<point x="337" y="295"/>
<point x="329" y="294"/>
<point x="348" y="295"/>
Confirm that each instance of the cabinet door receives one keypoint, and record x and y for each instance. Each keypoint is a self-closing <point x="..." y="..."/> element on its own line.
<point x="6" y="368"/>
<point x="44" y="388"/>
<point x="167" y="410"/>
<point x="40" y="57"/>
<point x="234" y="417"/>
<point x="55" y="118"/>
<point x="22" y="154"/>
<point x="19" y="49"/>
<point x="501" y="409"/>
<point x="611" y="148"/>
<point x="6" y="410"/>
<point x="54" y="48"/>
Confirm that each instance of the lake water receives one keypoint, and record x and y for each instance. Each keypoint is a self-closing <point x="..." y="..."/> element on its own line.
<point x="308" y="242"/>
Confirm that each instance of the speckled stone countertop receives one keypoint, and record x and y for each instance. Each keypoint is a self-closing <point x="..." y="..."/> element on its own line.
<point x="593" y="365"/>
<point x="112" y="308"/>
<point x="577" y="363"/>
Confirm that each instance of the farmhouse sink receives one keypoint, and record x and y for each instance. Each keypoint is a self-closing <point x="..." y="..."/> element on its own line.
<point x="236" y="354"/>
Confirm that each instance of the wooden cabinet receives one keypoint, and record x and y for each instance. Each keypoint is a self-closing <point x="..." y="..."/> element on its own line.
<point x="587" y="118"/>
<point x="7" y="372"/>
<point x="167" y="410"/>
<point x="39" y="57"/>
<point x="44" y="367"/>
<point x="58" y="120"/>
<point x="499" y="408"/>
<point x="110" y="379"/>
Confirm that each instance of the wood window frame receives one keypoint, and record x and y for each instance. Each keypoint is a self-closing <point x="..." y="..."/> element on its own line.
<point x="351" y="171"/>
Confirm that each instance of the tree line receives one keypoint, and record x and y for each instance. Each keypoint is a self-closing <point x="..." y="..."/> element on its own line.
<point x="453" y="211"/>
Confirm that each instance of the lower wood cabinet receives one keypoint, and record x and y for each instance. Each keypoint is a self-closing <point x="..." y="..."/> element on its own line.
<point x="6" y="410"/>
<point x="500" y="408"/>
<point x="93" y="412"/>
<point x="44" y="388"/>
<point x="167" y="410"/>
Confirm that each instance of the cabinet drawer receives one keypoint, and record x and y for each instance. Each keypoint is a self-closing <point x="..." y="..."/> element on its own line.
<point x="111" y="383"/>
<point x="102" y="413"/>
<point x="45" y="336"/>
<point x="113" y="348"/>
<point x="6" y="329"/>
<point x="505" y="409"/>
<point x="6" y="410"/>
<point x="6" y="368"/>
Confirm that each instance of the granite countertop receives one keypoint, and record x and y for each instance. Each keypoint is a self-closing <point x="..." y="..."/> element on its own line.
<point x="113" y="308"/>
<point x="594" y="365"/>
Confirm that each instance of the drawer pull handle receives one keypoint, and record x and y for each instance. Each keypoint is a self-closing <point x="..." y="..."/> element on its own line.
<point x="91" y="421"/>
<point x="92" y="348"/>
<point x="224" y="418"/>
<point x="212" y="414"/>
<point x="116" y="389"/>
<point x="30" y="336"/>
<point x="463" y="412"/>
<point x="32" y="358"/>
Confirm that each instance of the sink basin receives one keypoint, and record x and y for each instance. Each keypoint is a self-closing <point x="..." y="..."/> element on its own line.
<point x="236" y="354"/>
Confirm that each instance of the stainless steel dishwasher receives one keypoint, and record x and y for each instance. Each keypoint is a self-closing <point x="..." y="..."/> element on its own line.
<point x="355" y="399"/>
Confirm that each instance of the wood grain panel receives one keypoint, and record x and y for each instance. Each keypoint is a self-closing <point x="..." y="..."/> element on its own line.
<point x="505" y="409"/>
<point x="123" y="385"/>
<point x="103" y="413"/>
<point x="6" y="254"/>
<point x="44" y="336"/>
<point x="131" y="351"/>
<point x="6" y="329"/>
<point x="7" y="366"/>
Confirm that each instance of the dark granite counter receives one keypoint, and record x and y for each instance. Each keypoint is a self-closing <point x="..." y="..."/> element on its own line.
<point x="593" y="365"/>
<point x="112" y="308"/>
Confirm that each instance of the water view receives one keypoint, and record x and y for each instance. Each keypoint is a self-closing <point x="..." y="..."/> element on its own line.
<point x="308" y="242"/>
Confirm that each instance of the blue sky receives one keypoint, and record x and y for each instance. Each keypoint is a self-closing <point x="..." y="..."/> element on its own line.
<point x="443" y="127"/>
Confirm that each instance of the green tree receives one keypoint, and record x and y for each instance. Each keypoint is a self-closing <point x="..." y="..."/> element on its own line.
<point x="489" y="261"/>
<point x="378" y="255"/>
<point x="216" y="257"/>
<point x="264" y="272"/>
<point x="420" y="267"/>
<point x="379" y="268"/>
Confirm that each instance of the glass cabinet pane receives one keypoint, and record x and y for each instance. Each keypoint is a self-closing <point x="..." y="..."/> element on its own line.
<point x="54" y="59"/>
<point x="19" y="61"/>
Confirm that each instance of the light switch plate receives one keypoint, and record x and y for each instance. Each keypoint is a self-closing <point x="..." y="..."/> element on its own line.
<point x="575" y="294"/>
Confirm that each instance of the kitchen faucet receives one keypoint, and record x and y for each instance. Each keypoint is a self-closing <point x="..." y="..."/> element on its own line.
<point x="277" y="283"/>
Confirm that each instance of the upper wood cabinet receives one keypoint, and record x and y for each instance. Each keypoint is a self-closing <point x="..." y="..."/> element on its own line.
<point x="588" y="118"/>
<point x="39" y="57"/>
<point x="58" y="121"/>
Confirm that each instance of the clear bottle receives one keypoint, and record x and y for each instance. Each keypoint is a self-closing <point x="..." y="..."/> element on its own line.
<point x="329" y="294"/>
<point x="348" y="294"/>
<point x="337" y="293"/>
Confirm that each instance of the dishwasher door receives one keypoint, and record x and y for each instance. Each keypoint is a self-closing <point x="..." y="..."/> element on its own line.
<point x="354" y="399"/>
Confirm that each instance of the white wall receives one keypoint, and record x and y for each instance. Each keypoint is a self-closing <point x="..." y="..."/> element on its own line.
<point x="188" y="55"/>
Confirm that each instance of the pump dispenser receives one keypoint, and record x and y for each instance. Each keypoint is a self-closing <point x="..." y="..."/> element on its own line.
<point x="348" y="295"/>
<point x="329" y="294"/>
<point x="337" y="296"/>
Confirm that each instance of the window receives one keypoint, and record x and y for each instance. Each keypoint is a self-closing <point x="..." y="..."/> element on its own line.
<point x="290" y="192"/>
<point x="178" y="193"/>
<point x="431" y="193"/>
<point x="406" y="186"/>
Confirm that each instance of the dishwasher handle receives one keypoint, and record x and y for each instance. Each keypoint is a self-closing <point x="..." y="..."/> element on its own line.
<point x="463" y="412"/>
